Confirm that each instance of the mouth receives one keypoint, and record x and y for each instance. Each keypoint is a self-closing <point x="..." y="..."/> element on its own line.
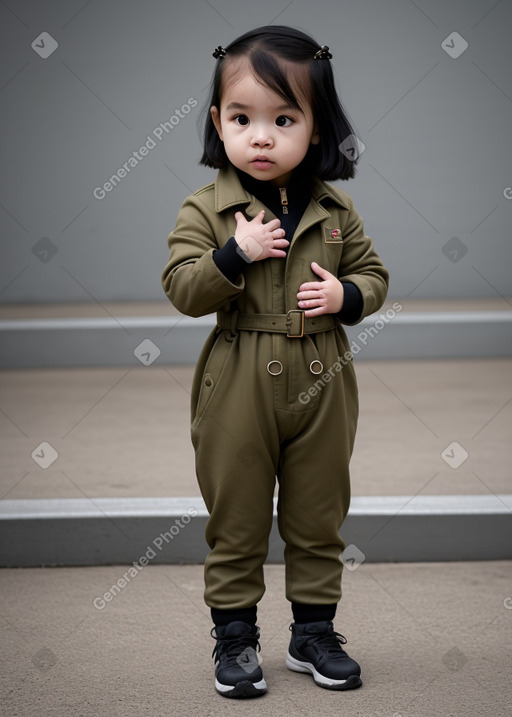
<point x="261" y="162"/>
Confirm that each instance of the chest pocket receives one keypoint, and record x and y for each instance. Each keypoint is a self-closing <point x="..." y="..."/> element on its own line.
<point x="332" y="247"/>
<point x="333" y="235"/>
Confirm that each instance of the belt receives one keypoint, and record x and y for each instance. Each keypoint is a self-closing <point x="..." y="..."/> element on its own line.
<point x="294" y="324"/>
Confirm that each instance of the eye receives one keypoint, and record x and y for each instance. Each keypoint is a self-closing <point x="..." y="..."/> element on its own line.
<point x="283" y="121"/>
<point x="241" y="120"/>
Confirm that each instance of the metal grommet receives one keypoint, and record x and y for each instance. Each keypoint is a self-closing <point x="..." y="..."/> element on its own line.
<point x="279" y="367"/>
<point x="316" y="365"/>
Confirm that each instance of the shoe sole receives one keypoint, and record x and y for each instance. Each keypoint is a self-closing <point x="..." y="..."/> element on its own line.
<point x="242" y="690"/>
<point x="327" y="682"/>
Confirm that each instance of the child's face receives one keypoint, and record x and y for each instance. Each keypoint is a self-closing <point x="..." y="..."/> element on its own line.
<point x="262" y="135"/>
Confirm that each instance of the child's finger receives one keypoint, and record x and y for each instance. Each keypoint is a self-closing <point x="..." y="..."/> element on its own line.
<point x="323" y="273"/>
<point x="304" y="295"/>
<point x="272" y="224"/>
<point x="311" y="286"/>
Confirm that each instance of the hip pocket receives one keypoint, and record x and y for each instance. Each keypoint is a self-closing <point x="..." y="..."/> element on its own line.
<point x="213" y="371"/>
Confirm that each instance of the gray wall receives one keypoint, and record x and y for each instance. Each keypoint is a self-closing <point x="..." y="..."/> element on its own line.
<point x="437" y="163"/>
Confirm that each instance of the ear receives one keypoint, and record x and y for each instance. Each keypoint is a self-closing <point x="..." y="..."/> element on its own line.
<point x="216" y="121"/>
<point x="315" y="137"/>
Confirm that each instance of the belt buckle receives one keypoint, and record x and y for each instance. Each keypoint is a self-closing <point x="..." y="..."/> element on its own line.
<point x="295" y="328"/>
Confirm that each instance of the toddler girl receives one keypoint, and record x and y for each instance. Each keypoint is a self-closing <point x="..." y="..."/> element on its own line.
<point x="282" y="258"/>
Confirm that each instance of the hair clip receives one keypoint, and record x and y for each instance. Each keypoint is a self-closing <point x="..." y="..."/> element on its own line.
<point x="323" y="53"/>
<point x="219" y="52"/>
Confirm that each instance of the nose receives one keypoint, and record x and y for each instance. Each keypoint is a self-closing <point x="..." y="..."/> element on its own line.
<point x="261" y="136"/>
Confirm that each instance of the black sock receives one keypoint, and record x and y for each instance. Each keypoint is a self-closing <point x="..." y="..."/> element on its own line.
<point x="313" y="613"/>
<point x="224" y="617"/>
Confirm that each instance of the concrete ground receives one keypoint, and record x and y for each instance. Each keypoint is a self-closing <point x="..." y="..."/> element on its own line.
<point x="432" y="639"/>
<point x="122" y="432"/>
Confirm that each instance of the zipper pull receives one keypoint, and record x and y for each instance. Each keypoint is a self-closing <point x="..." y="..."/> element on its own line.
<point x="284" y="199"/>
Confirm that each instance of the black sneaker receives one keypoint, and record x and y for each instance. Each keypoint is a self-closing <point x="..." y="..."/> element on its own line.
<point x="237" y="670"/>
<point x="316" y="648"/>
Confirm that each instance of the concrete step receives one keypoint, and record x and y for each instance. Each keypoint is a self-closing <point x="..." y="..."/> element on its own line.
<point x="103" y="531"/>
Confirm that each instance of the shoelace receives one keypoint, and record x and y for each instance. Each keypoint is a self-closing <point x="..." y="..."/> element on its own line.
<point x="329" y="642"/>
<point x="232" y="647"/>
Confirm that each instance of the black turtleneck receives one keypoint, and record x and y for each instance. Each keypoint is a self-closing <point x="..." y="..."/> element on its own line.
<point x="295" y="200"/>
<point x="297" y="196"/>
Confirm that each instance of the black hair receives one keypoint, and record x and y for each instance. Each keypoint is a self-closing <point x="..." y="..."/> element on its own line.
<point x="264" y="47"/>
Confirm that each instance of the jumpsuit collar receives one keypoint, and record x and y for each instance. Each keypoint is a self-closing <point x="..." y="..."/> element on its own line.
<point x="230" y="192"/>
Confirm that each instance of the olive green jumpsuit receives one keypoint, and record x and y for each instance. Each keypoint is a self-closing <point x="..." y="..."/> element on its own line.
<point x="273" y="393"/>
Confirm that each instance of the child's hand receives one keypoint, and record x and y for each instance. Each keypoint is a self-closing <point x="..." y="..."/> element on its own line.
<point x="321" y="297"/>
<point x="257" y="240"/>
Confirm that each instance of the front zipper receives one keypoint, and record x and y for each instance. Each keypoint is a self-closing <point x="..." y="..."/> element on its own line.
<point x="284" y="199"/>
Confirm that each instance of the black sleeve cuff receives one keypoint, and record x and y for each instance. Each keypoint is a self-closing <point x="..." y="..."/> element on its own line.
<point x="230" y="260"/>
<point x="353" y="304"/>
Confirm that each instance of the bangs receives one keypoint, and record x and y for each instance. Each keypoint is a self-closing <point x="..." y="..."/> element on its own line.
<point x="289" y="80"/>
